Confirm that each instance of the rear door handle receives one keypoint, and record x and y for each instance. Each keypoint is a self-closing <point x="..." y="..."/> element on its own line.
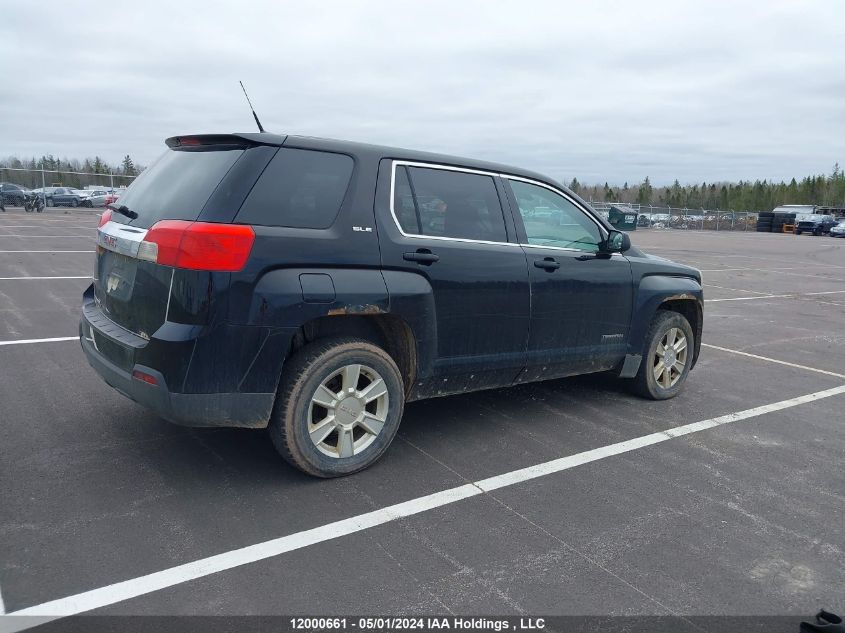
<point x="422" y="256"/>
<point x="549" y="263"/>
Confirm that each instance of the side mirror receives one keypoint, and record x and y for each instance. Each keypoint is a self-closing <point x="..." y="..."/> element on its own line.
<point x="616" y="242"/>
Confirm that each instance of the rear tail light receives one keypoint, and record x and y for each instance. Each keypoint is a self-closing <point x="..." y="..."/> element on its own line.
<point x="198" y="245"/>
<point x="105" y="217"/>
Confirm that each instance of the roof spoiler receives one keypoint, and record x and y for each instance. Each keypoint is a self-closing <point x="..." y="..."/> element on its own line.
<point x="246" y="139"/>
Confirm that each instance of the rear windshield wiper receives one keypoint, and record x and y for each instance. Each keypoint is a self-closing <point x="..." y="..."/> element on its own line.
<point x="124" y="210"/>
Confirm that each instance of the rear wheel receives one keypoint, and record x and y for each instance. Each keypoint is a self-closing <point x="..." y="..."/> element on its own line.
<point x="667" y="357"/>
<point x="338" y="407"/>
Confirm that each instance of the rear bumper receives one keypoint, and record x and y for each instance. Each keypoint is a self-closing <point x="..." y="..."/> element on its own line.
<point x="249" y="410"/>
<point x="115" y="356"/>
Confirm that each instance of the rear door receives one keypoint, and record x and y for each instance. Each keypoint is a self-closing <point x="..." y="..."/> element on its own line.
<point x="446" y="225"/>
<point x="580" y="301"/>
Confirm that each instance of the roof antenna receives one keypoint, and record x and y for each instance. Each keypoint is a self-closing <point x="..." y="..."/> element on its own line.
<point x="255" y="116"/>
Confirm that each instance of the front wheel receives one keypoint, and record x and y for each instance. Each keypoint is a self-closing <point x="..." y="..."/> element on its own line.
<point x="668" y="352"/>
<point x="338" y="408"/>
<point x="74" y="203"/>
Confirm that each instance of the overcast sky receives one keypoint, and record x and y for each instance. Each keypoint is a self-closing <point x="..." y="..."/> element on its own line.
<point x="604" y="91"/>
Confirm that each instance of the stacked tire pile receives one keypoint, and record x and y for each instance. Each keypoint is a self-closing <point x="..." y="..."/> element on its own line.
<point x="770" y="222"/>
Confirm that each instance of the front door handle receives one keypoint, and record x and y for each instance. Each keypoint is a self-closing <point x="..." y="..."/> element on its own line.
<point x="549" y="263"/>
<point x="422" y="256"/>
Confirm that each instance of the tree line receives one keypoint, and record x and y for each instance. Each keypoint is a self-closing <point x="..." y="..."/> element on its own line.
<point x="760" y="195"/>
<point x="59" y="171"/>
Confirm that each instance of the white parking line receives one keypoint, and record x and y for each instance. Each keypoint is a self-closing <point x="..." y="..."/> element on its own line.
<point x="756" y="270"/>
<point x="791" y="295"/>
<point x="734" y="289"/>
<point x="41" y="226"/>
<point x="39" y="340"/>
<point x="21" y="278"/>
<point x="118" y="592"/>
<point x="774" y="360"/>
<point x="748" y="298"/>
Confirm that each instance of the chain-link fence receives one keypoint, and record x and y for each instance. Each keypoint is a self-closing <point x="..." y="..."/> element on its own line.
<point x="661" y="217"/>
<point x="59" y="187"/>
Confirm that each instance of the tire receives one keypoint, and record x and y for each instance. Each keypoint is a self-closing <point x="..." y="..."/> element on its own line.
<point x="74" y="203"/>
<point x="50" y="202"/>
<point x="797" y="231"/>
<point x="320" y="365"/>
<point x="87" y="203"/>
<point x="645" y="383"/>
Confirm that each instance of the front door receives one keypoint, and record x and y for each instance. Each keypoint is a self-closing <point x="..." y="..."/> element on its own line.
<point x="446" y="226"/>
<point x="580" y="300"/>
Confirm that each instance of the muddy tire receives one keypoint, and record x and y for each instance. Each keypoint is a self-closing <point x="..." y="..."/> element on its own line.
<point x="667" y="357"/>
<point x="338" y="407"/>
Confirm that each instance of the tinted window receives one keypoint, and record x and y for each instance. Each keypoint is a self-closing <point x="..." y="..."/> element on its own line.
<point x="457" y="204"/>
<point x="176" y="186"/>
<point x="403" y="202"/>
<point x="299" y="188"/>
<point x="552" y="220"/>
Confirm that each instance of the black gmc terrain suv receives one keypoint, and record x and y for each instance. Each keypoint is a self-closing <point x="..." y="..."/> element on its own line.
<point x="315" y="286"/>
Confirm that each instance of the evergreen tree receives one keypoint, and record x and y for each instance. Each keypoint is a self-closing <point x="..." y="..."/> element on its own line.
<point x="645" y="192"/>
<point x="128" y="166"/>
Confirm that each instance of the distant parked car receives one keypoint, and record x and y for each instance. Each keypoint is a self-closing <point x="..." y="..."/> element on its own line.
<point x="96" y="198"/>
<point x="815" y="224"/>
<point x="47" y="194"/>
<point x="67" y="197"/>
<point x="13" y="195"/>
<point x="838" y="230"/>
<point x="111" y="198"/>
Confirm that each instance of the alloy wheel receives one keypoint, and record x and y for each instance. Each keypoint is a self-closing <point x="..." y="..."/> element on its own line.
<point x="348" y="411"/>
<point x="670" y="358"/>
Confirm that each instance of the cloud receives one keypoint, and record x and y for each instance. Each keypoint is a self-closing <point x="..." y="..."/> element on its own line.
<point x="605" y="91"/>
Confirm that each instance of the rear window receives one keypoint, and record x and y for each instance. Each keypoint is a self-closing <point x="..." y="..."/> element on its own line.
<point x="300" y="189"/>
<point x="176" y="186"/>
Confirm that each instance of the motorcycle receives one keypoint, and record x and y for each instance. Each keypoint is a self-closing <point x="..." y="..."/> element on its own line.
<point x="33" y="202"/>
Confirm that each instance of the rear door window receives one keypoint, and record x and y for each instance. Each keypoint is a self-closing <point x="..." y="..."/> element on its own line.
<point x="176" y="186"/>
<point x="457" y="204"/>
<point x="299" y="189"/>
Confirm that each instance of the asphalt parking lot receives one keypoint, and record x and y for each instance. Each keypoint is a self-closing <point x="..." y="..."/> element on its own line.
<point x="741" y="515"/>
